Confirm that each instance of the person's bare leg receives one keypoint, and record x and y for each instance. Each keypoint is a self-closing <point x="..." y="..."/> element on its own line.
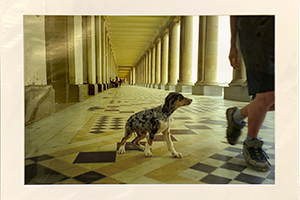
<point x="256" y="111"/>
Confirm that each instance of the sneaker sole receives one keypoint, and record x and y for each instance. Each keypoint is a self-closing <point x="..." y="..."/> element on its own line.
<point x="260" y="169"/>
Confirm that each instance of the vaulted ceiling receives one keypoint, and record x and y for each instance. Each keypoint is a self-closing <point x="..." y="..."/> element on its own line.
<point x="131" y="36"/>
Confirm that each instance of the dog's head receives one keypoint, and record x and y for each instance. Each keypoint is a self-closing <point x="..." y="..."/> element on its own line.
<point x="175" y="100"/>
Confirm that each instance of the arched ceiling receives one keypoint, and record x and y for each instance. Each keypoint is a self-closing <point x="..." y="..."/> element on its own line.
<point x="131" y="36"/>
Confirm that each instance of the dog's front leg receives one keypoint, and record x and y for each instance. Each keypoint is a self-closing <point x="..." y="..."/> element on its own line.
<point x="149" y="142"/>
<point x="167" y="137"/>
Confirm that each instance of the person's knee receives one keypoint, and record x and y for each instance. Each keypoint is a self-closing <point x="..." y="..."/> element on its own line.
<point x="266" y="99"/>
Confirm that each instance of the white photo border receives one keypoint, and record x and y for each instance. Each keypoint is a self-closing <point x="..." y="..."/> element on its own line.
<point x="12" y="98"/>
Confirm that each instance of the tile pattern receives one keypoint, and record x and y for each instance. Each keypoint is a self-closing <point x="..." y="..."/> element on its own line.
<point x="233" y="168"/>
<point x="78" y="145"/>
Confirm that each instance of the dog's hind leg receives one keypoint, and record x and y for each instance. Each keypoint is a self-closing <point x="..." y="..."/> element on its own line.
<point x="167" y="137"/>
<point x="140" y="135"/>
<point x="149" y="142"/>
<point x="123" y="141"/>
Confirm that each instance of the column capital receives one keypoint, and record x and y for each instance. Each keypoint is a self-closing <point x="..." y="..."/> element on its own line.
<point x="165" y="32"/>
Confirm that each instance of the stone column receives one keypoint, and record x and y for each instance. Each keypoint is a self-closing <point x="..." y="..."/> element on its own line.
<point x="153" y="66"/>
<point x="93" y="87"/>
<point x="107" y="61"/>
<point x="158" y="63"/>
<point x="146" y="74"/>
<point x="164" y="61"/>
<point x="238" y="89"/>
<point x="173" y="60"/>
<point x="142" y="72"/>
<point x="39" y="97"/>
<point x="209" y="85"/>
<point x="133" y="75"/>
<point x="99" y="53"/>
<point x="103" y="50"/>
<point x="108" y="64"/>
<point x="146" y="70"/>
<point x="201" y="50"/>
<point x="187" y="39"/>
<point x="149" y="68"/>
<point x="77" y="90"/>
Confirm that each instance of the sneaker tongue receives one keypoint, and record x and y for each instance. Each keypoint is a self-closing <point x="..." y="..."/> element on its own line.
<point x="255" y="143"/>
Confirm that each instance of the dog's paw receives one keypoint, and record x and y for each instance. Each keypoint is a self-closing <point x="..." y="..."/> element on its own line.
<point x="142" y="147"/>
<point x="177" y="155"/>
<point x="148" y="154"/>
<point x="121" y="150"/>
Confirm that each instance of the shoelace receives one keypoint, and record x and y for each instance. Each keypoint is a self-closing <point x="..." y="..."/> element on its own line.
<point x="258" y="153"/>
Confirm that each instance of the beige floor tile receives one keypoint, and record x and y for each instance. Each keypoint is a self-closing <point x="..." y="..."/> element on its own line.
<point x="225" y="173"/>
<point x="180" y="180"/>
<point x="107" y="170"/>
<point x="193" y="174"/>
<point x="70" y="181"/>
<point x="74" y="171"/>
<point x="56" y="164"/>
<point x="144" y="180"/>
<point x="125" y="176"/>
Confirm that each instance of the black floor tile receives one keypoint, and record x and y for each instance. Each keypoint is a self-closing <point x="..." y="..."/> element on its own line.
<point x="221" y="157"/>
<point x="130" y="146"/>
<point x="212" y="179"/>
<point x="96" y="157"/>
<point x="234" y="167"/>
<point x="215" y="122"/>
<point x="240" y="156"/>
<point x="126" y="112"/>
<point x="41" y="158"/>
<point x="182" y="132"/>
<point x="94" y="108"/>
<point x="233" y="149"/>
<point x="249" y="179"/>
<point x="203" y="167"/>
<point x="38" y="174"/>
<point x="271" y="175"/>
<point x="161" y="138"/>
<point x="89" y="177"/>
<point x="197" y="127"/>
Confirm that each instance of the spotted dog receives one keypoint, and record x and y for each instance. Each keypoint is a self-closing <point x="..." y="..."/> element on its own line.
<point x="154" y="121"/>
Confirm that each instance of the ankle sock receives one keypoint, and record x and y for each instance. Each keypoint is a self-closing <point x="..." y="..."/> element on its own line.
<point x="238" y="117"/>
<point x="248" y="138"/>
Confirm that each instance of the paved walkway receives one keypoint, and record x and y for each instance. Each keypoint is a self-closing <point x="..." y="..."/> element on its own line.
<point x="78" y="145"/>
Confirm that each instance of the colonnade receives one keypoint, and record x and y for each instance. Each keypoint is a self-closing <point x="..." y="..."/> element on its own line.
<point x="66" y="59"/>
<point x="81" y="53"/>
<point x="168" y="63"/>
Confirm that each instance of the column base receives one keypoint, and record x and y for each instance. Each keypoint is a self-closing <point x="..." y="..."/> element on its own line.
<point x="161" y="86"/>
<point x="93" y="89"/>
<point x="171" y="88"/>
<point x="100" y="87"/>
<point x="238" y="93"/>
<point x="207" y="90"/>
<point x="78" y="93"/>
<point x="39" y="102"/>
<point x="184" y="88"/>
<point x="156" y="86"/>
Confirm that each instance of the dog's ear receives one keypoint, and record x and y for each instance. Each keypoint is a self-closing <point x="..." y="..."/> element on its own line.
<point x="171" y="99"/>
<point x="168" y="102"/>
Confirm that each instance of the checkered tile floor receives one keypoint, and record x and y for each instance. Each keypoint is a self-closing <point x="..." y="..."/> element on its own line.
<point x="78" y="145"/>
